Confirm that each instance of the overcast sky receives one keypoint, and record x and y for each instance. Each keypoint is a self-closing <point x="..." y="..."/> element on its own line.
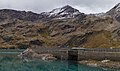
<point x="86" y="6"/>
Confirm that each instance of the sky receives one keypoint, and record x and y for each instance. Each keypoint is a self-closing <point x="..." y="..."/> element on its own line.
<point x="38" y="6"/>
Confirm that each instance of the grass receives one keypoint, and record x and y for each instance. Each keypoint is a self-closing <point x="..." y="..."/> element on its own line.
<point x="102" y="39"/>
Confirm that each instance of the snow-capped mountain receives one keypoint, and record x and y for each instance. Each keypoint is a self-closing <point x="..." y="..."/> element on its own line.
<point x="62" y="13"/>
<point x="58" y="13"/>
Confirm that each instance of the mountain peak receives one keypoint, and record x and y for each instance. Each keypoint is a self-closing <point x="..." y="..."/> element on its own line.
<point x="67" y="7"/>
<point x="64" y="12"/>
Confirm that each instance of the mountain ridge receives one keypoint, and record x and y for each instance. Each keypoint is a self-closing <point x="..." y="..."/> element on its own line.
<point x="61" y="27"/>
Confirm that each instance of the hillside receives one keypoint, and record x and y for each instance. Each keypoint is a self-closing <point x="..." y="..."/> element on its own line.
<point x="61" y="27"/>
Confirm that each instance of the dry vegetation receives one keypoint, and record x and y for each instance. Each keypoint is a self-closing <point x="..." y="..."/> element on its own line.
<point x="90" y="32"/>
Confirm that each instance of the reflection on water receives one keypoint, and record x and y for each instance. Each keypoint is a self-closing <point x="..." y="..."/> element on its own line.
<point x="10" y="62"/>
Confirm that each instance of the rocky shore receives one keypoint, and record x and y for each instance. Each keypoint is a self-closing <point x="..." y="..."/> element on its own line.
<point x="30" y="54"/>
<point x="104" y="63"/>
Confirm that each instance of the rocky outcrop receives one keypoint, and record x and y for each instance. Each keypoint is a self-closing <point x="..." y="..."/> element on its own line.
<point x="104" y="63"/>
<point x="30" y="54"/>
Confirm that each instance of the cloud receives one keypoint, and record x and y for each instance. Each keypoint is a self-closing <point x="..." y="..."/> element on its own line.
<point x="86" y="6"/>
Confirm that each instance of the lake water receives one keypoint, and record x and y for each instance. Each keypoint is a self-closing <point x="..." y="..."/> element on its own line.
<point x="10" y="62"/>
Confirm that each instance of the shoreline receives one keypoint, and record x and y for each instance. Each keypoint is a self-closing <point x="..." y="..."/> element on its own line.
<point x="103" y="64"/>
<point x="94" y="63"/>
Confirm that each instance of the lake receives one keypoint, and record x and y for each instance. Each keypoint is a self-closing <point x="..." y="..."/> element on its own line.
<point x="10" y="62"/>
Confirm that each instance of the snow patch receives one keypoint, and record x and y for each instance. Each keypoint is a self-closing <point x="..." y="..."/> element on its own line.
<point x="56" y="11"/>
<point x="76" y="13"/>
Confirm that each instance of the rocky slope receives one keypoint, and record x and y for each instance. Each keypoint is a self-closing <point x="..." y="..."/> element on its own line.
<point x="61" y="27"/>
<point x="115" y="12"/>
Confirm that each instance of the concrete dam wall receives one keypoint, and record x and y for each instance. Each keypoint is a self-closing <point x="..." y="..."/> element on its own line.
<point x="96" y="54"/>
<point x="87" y="55"/>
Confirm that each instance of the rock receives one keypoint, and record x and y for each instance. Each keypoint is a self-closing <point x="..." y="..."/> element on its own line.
<point x="93" y="64"/>
<point x="48" y="58"/>
<point x="30" y="54"/>
<point x="27" y="54"/>
<point x="103" y="64"/>
<point x="105" y="61"/>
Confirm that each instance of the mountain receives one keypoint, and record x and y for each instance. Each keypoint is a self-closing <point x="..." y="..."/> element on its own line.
<point x="21" y="15"/>
<point x="58" y="13"/>
<point x="61" y="27"/>
<point x="115" y="12"/>
<point x="62" y="13"/>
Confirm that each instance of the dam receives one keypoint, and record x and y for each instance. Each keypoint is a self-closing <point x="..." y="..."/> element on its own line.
<point x="78" y="54"/>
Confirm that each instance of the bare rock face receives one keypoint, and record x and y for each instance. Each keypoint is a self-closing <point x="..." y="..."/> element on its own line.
<point x="30" y="54"/>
